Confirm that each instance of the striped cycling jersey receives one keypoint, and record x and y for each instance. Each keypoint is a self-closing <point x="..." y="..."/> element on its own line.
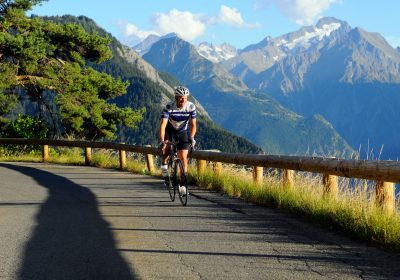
<point x="179" y="117"/>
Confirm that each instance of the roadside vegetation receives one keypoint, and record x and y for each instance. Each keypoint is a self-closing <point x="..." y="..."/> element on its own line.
<point x="353" y="212"/>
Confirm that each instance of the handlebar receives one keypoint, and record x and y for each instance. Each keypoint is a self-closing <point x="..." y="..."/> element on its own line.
<point x="174" y="143"/>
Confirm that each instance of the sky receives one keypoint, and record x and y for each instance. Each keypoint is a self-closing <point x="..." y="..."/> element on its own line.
<point x="237" y="22"/>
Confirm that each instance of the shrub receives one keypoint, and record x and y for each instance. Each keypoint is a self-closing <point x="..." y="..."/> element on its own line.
<point x="24" y="126"/>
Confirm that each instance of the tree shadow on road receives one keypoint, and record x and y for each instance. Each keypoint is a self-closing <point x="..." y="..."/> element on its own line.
<point x="70" y="240"/>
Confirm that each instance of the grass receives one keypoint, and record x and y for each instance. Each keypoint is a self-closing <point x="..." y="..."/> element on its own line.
<point x="75" y="156"/>
<point x="353" y="211"/>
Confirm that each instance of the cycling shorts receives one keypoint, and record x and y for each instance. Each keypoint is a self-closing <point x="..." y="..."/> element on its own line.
<point x="181" y="137"/>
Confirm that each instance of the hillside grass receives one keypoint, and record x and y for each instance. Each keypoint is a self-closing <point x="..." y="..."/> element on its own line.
<point x="353" y="212"/>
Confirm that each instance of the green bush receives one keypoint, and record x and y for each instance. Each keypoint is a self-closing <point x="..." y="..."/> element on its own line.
<point x="24" y="126"/>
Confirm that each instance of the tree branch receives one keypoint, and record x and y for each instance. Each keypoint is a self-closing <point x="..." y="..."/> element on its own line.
<point x="24" y="80"/>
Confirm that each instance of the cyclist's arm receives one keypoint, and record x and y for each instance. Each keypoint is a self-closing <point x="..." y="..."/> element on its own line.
<point x="163" y="125"/>
<point x="193" y="128"/>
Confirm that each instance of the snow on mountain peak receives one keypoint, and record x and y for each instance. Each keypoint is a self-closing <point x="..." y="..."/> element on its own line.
<point x="216" y="53"/>
<point x="308" y="36"/>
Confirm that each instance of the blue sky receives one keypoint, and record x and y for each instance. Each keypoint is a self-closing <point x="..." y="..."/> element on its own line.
<point x="238" y="22"/>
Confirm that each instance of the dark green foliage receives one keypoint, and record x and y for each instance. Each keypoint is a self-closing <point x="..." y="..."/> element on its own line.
<point x="170" y="80"/>
<point x="23" y="5"/>
<point x="38" y="56"/>
<point x="143" y="93"/>
<point x="23" y="127"/>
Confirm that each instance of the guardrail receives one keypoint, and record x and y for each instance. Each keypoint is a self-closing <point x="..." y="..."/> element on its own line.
<point x="384" y="173"/>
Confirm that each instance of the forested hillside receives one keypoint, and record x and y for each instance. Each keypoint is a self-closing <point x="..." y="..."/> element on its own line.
<point x="142" y="92"/>
<point x="45" y="64"/>
<point x="257" y="117"/>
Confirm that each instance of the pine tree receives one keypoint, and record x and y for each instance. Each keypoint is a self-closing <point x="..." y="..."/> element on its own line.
<point x="38" y="57"/>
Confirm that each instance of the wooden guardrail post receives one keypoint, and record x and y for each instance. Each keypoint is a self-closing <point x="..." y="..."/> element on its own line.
<point x="122" y="159"/>
<point x="288" y="178"/>
<point x="330" y="183"/>
<point x="258" y="174"/>
<point x="201" y="165"/>
<point x="45" y="153"/>
<point x="150" y="162"/>
<point x="385" y="196"/>
<point x="217" y="167"/>
<point x="88" y="155"/>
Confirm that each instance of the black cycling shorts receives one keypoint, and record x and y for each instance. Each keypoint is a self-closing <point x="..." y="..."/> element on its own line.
<point x="182" y="137"/>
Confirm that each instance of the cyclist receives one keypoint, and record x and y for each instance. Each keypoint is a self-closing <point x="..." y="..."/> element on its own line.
<point x="174" y="125"/>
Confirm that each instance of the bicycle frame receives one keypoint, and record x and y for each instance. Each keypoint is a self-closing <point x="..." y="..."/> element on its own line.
<point x="177" y="176"/>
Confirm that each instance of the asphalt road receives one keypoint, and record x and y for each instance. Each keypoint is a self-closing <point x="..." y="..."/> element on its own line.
<point x="67" y="222"/>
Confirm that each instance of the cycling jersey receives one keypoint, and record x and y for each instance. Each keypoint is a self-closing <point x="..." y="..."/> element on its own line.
<point x="179" y="117"/>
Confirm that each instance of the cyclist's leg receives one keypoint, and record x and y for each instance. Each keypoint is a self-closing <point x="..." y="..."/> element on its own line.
<point x="165" y="155"/>
<point x="182" y="154"/>
<point x="169" y="134"/>
<point x="183" y="148"/>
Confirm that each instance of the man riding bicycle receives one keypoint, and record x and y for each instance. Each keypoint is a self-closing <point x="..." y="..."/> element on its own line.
<point x="174" y="125"/>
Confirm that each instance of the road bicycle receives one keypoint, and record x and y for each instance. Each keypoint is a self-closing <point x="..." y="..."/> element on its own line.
<point x="176" y="180"/>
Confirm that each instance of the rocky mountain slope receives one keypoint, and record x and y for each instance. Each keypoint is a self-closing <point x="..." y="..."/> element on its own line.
<point x="232" y="105"/>
<point x="151" y="89"/>
<point x="349" y="76"/>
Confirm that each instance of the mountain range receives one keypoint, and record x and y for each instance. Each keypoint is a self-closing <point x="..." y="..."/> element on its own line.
<point x="232" y="105"/>
<point x="149" y="89"/>
<point x="351" y="77"/>
<point x="346" y="79"/>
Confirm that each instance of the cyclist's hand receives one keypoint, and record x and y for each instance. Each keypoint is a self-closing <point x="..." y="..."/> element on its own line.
<point x="162" y="144"/>
<point x="192" y="142"/>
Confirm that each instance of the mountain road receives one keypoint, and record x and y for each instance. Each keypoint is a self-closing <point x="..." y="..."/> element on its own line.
<point x="79" y="222"/>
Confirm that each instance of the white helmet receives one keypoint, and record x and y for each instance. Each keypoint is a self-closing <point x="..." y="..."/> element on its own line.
<point x="181" y="91"/>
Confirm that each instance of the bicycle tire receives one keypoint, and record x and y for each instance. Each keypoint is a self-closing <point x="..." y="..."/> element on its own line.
<point x="181" y="180"/>
<point x="171" y="182"/>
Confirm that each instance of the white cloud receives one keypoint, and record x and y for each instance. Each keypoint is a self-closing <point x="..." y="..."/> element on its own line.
<point x="231" y="17"/>
<point x="132" y="35"/>
<point x="301" y="11"/>
<point x="131" y="30"/>
<point x="186" y="24"/>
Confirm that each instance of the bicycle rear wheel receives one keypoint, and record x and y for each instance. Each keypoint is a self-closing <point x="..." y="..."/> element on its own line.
<point x="171" y="182"/>
<point x="181" y="181"/>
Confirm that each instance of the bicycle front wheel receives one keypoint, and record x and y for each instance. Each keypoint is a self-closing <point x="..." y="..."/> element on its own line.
<point x="181" y="182"/>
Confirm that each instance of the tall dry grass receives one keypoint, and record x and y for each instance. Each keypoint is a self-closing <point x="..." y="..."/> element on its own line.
<point x="353" y="211"/>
